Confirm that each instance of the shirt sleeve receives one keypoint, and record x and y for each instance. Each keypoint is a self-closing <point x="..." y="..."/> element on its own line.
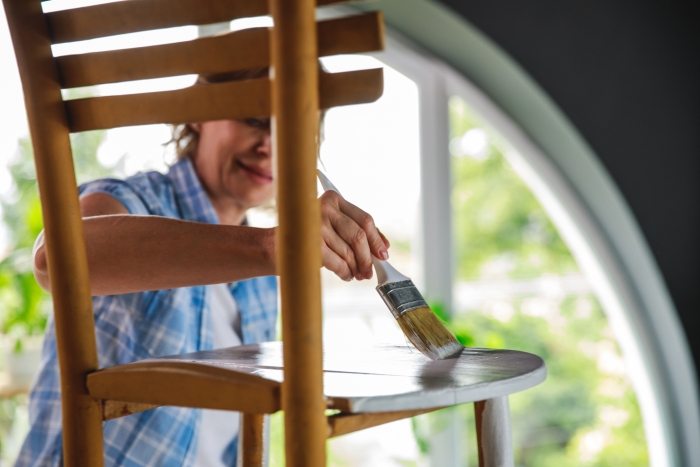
<point x="121" y="191"/>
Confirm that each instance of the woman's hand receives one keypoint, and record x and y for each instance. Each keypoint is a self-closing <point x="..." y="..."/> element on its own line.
<point x="350" y="238"/>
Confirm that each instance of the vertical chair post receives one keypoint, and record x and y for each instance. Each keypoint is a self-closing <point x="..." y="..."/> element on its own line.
<point x="493" y="432"/>
<point x="65" y="246"/>
<point x="253" y="440"/>
<point x="295" y="106"/>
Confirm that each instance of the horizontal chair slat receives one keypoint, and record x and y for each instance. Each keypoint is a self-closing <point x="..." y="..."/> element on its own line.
<point x="122" y="17"/>
<point x="235" y="51"/>
<point x="345" y="423"/>
<point x="351" y="34"/>
<point x="352" y="87"/>
<point x="144" y="385"/>
<point x="233" y="100"/>
<point x="229" y="52"/>
<point x="194" y="104"/>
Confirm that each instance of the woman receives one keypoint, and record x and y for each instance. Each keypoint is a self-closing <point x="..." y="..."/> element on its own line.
<point x="155" y="242"/>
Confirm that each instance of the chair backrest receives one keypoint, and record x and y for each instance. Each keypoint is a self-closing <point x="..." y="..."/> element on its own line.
<point x="51" y="119"/>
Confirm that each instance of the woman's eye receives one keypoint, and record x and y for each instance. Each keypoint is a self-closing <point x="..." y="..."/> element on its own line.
<point x="257" y="122"/>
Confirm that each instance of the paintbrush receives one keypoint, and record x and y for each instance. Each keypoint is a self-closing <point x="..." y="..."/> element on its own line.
<point x="416" y="319"/>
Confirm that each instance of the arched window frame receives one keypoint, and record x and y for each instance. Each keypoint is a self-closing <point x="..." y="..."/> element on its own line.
<point x="580" y="197"/>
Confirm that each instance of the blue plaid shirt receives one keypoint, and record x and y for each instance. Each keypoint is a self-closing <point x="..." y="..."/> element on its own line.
<point x="133" y="327"/>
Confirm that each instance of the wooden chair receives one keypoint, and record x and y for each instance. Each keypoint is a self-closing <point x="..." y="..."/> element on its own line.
<point x="368" y="386"/>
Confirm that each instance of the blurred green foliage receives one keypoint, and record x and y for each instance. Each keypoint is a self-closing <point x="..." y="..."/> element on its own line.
<point x="8" y="408"/>
<point x="497" y="218"/>
<point x="585" y="413"/>
<point x="24" y="306"/>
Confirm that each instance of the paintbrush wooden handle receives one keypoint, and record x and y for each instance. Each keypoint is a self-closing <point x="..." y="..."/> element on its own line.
<point x="385" y="271"/>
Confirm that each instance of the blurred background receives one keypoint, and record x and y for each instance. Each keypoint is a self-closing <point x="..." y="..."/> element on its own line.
<point x="516" y="283"/>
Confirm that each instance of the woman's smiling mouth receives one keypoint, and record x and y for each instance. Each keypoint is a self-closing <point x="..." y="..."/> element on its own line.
<point x="256" y="174"/>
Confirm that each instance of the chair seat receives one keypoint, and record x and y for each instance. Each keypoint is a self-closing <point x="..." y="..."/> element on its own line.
<point x="377" y="378"/>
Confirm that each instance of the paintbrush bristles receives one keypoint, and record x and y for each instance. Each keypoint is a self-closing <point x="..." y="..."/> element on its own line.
<point x="428" y="334"/>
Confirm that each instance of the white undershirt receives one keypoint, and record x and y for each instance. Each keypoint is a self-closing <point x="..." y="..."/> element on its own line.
<point x="219" y="427"/>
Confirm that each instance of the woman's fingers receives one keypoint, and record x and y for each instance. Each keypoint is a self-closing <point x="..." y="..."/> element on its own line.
<point x="335" y="263"/>
<point x="351" y="235"/>
<point x="386" y="241"/>
<point x="374" y="238"/>
<point x="356" y="239"/>
<point x="341" y="249"/>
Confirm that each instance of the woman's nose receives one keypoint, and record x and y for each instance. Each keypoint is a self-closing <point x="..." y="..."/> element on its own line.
<point x="266" y="146"/>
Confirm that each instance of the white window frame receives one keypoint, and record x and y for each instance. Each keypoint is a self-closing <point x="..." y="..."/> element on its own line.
<point x="636" y="333"/>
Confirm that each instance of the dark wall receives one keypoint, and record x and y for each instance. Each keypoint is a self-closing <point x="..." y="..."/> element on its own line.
<point x="627" y="74"/>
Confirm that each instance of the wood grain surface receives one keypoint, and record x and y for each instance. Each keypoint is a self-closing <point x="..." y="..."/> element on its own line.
<point x="232" y="100"/>
<point x="343" y="423"/>
<point x="185" y="384"/>
<point x="252" y="440"/>
<point x="295" y="138"/>
<point x="109" y="19"/>
<point x="238" y="50"/>
<point x="112" y="409"/>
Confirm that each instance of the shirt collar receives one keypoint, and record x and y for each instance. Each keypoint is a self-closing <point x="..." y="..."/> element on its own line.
<point x="193" y="201"/>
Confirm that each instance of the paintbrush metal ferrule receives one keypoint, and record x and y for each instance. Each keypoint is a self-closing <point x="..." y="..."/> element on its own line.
<point x="401" y="297"/>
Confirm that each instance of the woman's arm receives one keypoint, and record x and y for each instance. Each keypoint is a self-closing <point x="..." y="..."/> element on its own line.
<point x="136" y="253"/>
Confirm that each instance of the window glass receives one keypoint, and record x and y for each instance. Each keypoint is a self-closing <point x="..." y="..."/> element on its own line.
<point x="518" y="287"/>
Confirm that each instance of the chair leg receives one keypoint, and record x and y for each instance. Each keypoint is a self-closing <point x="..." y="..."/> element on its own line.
<point x="253" y="440"/>
<point x="493" y="432"/>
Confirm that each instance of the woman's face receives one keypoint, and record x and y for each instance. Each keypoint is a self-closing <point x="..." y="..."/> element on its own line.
<point x="234" y="161"/>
